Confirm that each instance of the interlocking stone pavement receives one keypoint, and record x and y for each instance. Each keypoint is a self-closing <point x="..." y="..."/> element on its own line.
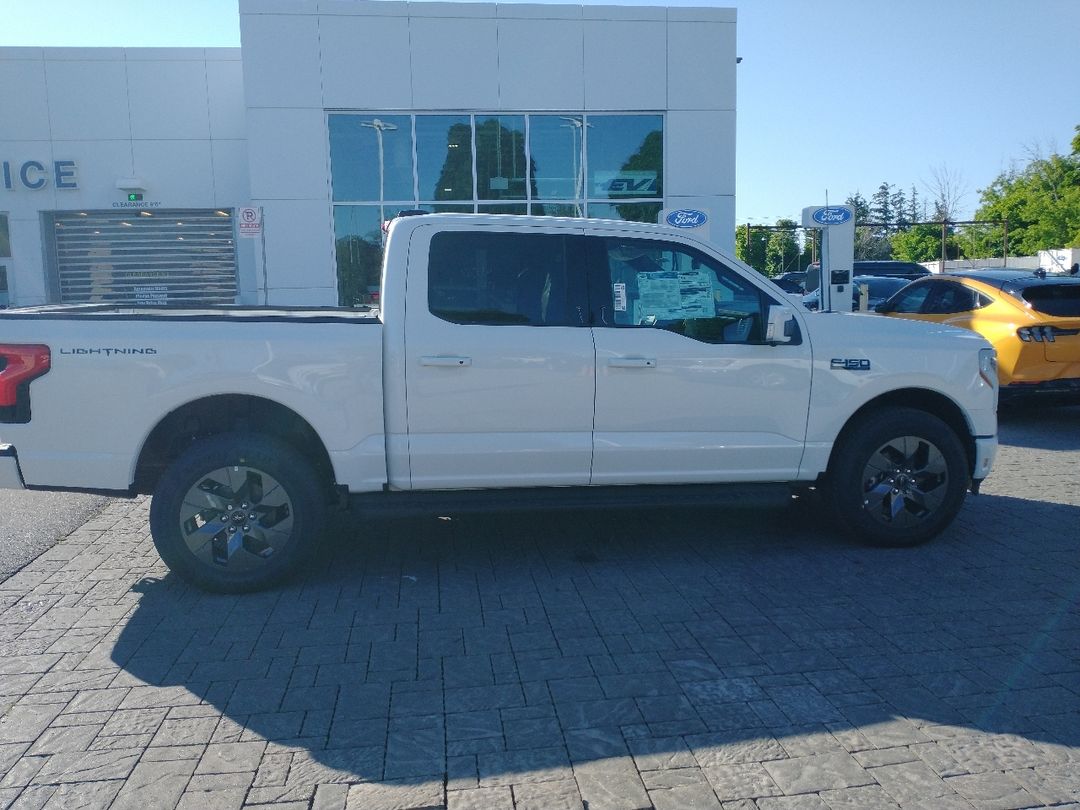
<point x="605" y="659"/>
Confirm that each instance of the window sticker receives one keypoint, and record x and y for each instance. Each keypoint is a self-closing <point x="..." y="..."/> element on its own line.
<point x="658" y="295"/>
<point x="674" y="295"/>
<point x="618" y="291"/>
<point x="696" y="291"/>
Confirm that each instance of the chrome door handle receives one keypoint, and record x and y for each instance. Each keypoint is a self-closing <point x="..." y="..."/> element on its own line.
<point x="442" y="360"/>
<point x="632" y="362"/>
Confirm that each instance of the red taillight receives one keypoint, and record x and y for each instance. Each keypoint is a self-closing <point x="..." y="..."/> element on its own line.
<point x="19" y="364"/>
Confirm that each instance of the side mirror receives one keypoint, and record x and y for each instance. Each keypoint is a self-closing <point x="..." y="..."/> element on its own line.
<point x="780" y="326"/>
<point x="882" y="307"/>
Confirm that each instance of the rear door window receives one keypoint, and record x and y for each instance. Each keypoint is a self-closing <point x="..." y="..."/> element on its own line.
<point x="505" y="279"/>
<point x="910" y="300"/>
<point x="948" y="298"/>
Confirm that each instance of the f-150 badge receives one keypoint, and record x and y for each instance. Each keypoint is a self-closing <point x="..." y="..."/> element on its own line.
<point x="850" y="363"/>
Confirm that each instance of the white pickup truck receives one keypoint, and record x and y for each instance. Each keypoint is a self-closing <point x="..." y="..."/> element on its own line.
<point x="514" y="360"/>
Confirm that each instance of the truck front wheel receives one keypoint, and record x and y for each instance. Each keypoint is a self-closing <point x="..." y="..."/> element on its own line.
<point x="897" y="478"/>
<point x="237" y="512"/>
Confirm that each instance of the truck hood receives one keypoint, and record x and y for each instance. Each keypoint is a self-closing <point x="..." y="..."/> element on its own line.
<point x="859" y="329"/>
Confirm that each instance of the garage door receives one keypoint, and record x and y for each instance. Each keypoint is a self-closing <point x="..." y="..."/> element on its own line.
<point x="184" y="257"/>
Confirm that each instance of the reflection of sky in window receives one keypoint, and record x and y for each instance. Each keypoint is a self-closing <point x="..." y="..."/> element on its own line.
<point x="614" y="139"/>
<point x="443" y="142"/>
<point x="354" y="157"/>
<point x="555" y="143"/>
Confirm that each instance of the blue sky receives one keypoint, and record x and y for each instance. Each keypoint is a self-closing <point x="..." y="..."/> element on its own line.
<point x="834" y="97"/>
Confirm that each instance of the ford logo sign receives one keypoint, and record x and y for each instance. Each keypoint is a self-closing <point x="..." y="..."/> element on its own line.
<point x="832" y="216"/>
<point x="687" y="218"/>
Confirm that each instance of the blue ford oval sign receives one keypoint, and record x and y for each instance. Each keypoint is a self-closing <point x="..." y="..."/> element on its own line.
<point x="687" y="218"/>
<point x="832" y="215"/>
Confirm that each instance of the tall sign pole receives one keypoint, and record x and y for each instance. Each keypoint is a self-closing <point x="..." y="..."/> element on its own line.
<point x="837" y="226"/>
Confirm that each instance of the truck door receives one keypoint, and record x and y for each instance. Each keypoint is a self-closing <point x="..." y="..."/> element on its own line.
<point x="498" y="358"/>
<point x="687" y="389"/>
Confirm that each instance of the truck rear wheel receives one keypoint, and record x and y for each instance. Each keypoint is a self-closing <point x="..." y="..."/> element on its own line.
<point x="898" y="478"/>
<point x="237" y="512"/>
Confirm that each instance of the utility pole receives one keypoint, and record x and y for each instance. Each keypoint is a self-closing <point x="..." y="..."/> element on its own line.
<point x="944" y="234"/>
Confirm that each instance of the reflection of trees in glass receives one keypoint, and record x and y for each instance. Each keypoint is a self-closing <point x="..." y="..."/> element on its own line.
<point x="455" y="179"/>
<point x="359" y="262"/>
<point x="649" y="157"/>
<point x="500" y="160"/>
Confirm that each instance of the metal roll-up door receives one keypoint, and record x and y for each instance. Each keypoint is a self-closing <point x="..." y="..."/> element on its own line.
<point x="184" y="257"/>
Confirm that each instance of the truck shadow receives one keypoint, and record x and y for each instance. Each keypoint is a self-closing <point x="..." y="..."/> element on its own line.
<point x="1040" y="426"/>
<point x="498" y="647"/>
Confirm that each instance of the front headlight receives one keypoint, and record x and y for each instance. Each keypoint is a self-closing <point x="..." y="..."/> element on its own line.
<point x="988" y="366"/>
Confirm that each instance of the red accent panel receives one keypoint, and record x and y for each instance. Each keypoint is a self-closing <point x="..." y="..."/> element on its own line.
<point x="21" y="364"/>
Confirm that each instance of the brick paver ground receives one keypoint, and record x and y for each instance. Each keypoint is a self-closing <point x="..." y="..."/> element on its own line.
<point x="613" y="659"/>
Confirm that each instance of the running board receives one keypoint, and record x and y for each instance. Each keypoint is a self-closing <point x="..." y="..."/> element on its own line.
<point x="458" y="501"/>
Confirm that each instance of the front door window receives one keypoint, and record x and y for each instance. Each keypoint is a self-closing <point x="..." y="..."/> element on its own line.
<point x="659" y="285"/>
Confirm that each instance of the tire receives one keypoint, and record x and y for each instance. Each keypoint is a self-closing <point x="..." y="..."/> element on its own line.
<point x="897" y="478"/>
<point x="237" y="512"/>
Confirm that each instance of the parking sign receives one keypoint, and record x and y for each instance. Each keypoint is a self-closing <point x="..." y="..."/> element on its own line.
<point x="250" y="222"/>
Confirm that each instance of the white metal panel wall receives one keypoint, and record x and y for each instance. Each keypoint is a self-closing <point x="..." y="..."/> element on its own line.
<point x="145" y="258"/>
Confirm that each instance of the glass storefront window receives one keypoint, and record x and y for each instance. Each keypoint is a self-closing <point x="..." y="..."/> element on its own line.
<point x="558" y="210"/>
<point x="5" y="238"/>
<point x="556" y="153"/>
<point x="504" y="208"/>
<point x="566" y="159"/>
<point x="629" y="211"/>
<point x="500" y="157"/>
<point x="444" y="157"/>
<point x="625" y="156"/>
<point x="371" y="157"/>
<point x="568" y="164"/>
<point x="358" y="243"/>
<point x="447" y="208"/>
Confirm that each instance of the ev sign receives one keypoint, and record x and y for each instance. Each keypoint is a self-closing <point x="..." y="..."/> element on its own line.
<point x="250" y="222"/>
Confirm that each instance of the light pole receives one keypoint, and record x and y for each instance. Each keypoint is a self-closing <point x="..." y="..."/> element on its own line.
<point x="380" y="127"/>
<point x="576" y="128"/>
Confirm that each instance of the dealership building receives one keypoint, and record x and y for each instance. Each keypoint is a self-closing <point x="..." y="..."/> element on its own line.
<point x="263" y="174"/>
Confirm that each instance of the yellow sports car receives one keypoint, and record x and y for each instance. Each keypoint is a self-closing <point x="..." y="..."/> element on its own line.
<point x="1031" y="317"/>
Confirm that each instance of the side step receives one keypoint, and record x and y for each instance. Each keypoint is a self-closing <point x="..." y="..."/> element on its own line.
<point x="459" y="501"/>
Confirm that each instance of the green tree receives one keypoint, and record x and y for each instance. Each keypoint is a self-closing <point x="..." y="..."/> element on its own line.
<point x="916" y="208"/>
<point x="752" y="250"/>
<point x="881" y="206"/>
<point x="872" y="242"/>
<point x="1040" y="201"/>
<point x="919" y="243"/>
<point x="782" y="252"/>
<point x="899" y="204"/>
<point x="862" y="208"/>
